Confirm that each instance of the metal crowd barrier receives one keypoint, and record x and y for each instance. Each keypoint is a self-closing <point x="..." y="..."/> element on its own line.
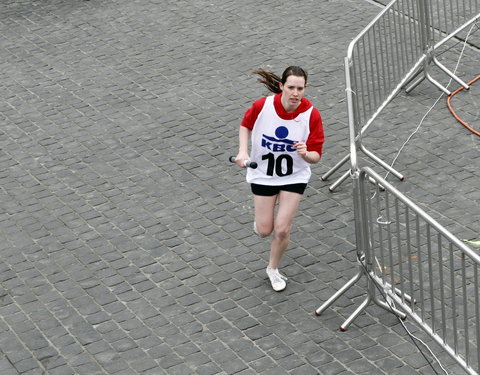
<point x="416" y="268"/>
<point x="395" y="51"/>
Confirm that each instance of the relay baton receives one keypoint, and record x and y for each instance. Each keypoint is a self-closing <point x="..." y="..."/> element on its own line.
<point x="246" y="163"/>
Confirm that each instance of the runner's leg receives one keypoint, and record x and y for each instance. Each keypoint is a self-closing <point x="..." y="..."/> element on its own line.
<point x="264" y="214"/>
<point x="288" y="203"/>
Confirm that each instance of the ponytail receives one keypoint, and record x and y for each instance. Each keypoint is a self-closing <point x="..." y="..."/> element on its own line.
<point x="272" y="81"/>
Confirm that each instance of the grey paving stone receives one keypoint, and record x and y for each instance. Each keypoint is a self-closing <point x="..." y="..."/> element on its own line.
<point x="127" y="243"/>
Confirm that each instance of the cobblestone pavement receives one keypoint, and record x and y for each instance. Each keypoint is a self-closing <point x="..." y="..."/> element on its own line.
<point x="127" y="243"/>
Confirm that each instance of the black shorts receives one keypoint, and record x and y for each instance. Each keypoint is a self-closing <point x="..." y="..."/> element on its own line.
<point x="269" y="191"/>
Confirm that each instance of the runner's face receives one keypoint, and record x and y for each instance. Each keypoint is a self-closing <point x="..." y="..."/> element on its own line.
<point x="292" y="92"/>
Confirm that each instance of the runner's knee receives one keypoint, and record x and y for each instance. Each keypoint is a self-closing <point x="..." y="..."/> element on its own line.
<point x="264" y="230"/>
<point x="282" y="232"/>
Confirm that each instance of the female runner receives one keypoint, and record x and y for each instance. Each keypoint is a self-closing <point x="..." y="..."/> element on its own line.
<point x="286" y="135"/>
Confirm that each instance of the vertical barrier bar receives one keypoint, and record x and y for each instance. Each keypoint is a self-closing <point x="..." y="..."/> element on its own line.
<point x="371" y="221"/>
<point x="445" y="13"/>
<point x="366" y="92"/>
<point x="453" y="297"/>
<point x="386" y="65"/>
<point x="389" y="238"/>
<point x="379" y="221"/>
<point x="372" y="79"/>
<point x="409" y="253"/>
<point x="465" y="307"/>
<point x="442" y="289"/>
<point x="430" y="273"/>
<point x="416" y="17"/>
<point x="405" y="28"/>
<point x="477" y="313"/>
<point x="399" y="249"/>
<point x="420" y="269"/>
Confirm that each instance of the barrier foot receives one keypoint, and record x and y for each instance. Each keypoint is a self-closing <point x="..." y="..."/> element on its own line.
<point x="382" y="163"/>
<point x="450" y="74"/>
<point x="390" y="308"/>
<point x="370" y="297"/>
<point x="437" y="84"/>
<point x="333" y="186"/>
<point x="426" y="75"/>
<point x="405" y="296"/>
<point x="337" y="166"/>
<point x="414" y="83"/>
<point x="355" y="314"/>
<point x="339" y="293"/>
<point x="369" y="154"/>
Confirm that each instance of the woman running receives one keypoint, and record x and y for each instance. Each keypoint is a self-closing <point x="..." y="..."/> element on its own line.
<point x="286" y="135"/>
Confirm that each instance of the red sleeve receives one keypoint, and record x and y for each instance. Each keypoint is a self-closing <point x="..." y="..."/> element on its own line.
<point x="316" y="138"/>
<point x="252" y="113"/>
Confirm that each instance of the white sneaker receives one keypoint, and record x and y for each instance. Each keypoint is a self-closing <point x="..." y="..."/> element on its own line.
<point x="277" y="280"/>
<point x="255" y="228"/>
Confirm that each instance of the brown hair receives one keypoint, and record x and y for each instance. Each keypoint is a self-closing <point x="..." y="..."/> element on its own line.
<point x="272" y="81"/>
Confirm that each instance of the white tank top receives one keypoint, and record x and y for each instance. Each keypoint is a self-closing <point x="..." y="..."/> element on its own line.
<point x="272" y="148"/>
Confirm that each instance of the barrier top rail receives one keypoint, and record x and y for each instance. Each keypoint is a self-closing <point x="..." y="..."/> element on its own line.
<point x="367" y="28"/>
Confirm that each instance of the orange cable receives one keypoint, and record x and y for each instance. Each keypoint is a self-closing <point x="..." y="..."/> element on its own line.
<point x="453" y="112"/>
